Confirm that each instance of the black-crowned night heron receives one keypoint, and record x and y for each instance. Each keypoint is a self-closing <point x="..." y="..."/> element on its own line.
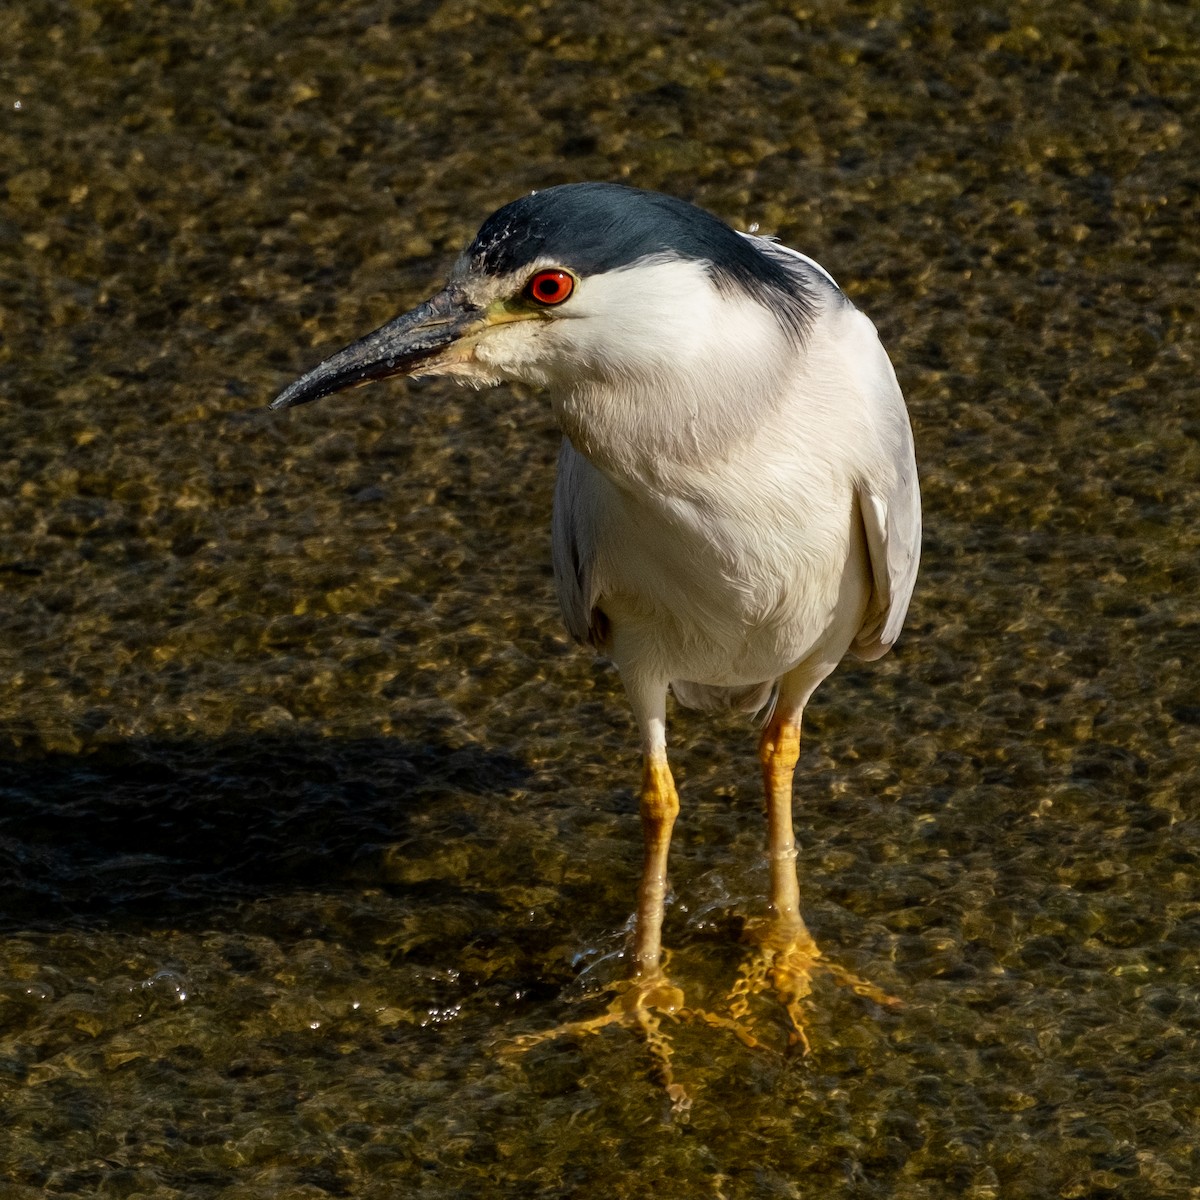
<point x="737" y="503"/>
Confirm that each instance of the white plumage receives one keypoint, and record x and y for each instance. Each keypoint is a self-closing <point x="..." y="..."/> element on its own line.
<point x="737" y="503"/>
<point x="759" y="515"/>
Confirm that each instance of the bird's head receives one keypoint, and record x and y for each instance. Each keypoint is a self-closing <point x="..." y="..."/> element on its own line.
<point x="587" y="283"/>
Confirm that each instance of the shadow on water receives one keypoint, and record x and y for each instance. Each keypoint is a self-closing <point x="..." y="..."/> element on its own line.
<point x="167" y="831"/>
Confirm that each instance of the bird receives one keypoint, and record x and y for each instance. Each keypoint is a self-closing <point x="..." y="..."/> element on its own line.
<point x="736" y="507"/>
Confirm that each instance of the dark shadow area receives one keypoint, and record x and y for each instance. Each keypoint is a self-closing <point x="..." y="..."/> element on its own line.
<point x="167" y="829"/>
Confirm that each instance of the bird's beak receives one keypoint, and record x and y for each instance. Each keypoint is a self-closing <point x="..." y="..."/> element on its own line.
<point x="419" y="341"/>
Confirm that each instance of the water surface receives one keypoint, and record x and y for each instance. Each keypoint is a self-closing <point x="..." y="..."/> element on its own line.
<point x="310" y="809"/>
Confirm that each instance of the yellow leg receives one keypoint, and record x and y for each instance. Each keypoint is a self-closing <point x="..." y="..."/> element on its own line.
<point x="779" y="751"/>
<point x="642" y="1002"/>
<point x="787" y="958"/>
<point x="660" y="806"/>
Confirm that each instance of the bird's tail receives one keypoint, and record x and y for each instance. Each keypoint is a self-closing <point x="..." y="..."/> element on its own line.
<point x="752" y="698"/>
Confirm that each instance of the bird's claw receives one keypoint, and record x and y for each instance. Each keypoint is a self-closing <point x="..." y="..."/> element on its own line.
<point x="642" y="1003"/>
<point x="785" y="960"/>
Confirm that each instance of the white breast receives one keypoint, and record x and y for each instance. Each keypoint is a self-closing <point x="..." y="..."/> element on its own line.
<point x="716" y="521"/>
<point x="740" y="581"/>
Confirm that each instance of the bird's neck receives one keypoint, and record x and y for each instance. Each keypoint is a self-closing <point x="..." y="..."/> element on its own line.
<point x="644" y="433"/>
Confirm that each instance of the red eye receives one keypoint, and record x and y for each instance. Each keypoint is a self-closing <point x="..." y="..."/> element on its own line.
<point x="550" y="287"/>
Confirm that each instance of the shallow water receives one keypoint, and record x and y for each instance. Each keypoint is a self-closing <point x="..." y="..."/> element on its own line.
<point x="310" y="809"/>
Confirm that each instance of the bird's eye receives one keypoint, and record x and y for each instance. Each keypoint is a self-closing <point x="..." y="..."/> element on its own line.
<point x="550" y="287"/>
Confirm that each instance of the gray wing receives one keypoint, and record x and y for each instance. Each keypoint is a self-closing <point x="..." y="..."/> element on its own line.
<point x="889" y="500"/>
<point x="887" y="491"/>
<point x="573" y="545"/>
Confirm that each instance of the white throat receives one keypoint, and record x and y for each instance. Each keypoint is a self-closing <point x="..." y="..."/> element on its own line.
<point x="662" y="370"/>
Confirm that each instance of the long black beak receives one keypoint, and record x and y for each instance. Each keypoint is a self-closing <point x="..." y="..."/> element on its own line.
<point x="401" y="347"/>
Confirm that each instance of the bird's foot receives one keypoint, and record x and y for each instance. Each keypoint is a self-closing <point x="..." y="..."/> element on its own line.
<point x="641" y="1004"/>
<point x="786" y="959"/>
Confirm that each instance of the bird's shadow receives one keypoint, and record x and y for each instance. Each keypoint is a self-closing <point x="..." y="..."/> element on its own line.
<point x="163" y="831"/>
